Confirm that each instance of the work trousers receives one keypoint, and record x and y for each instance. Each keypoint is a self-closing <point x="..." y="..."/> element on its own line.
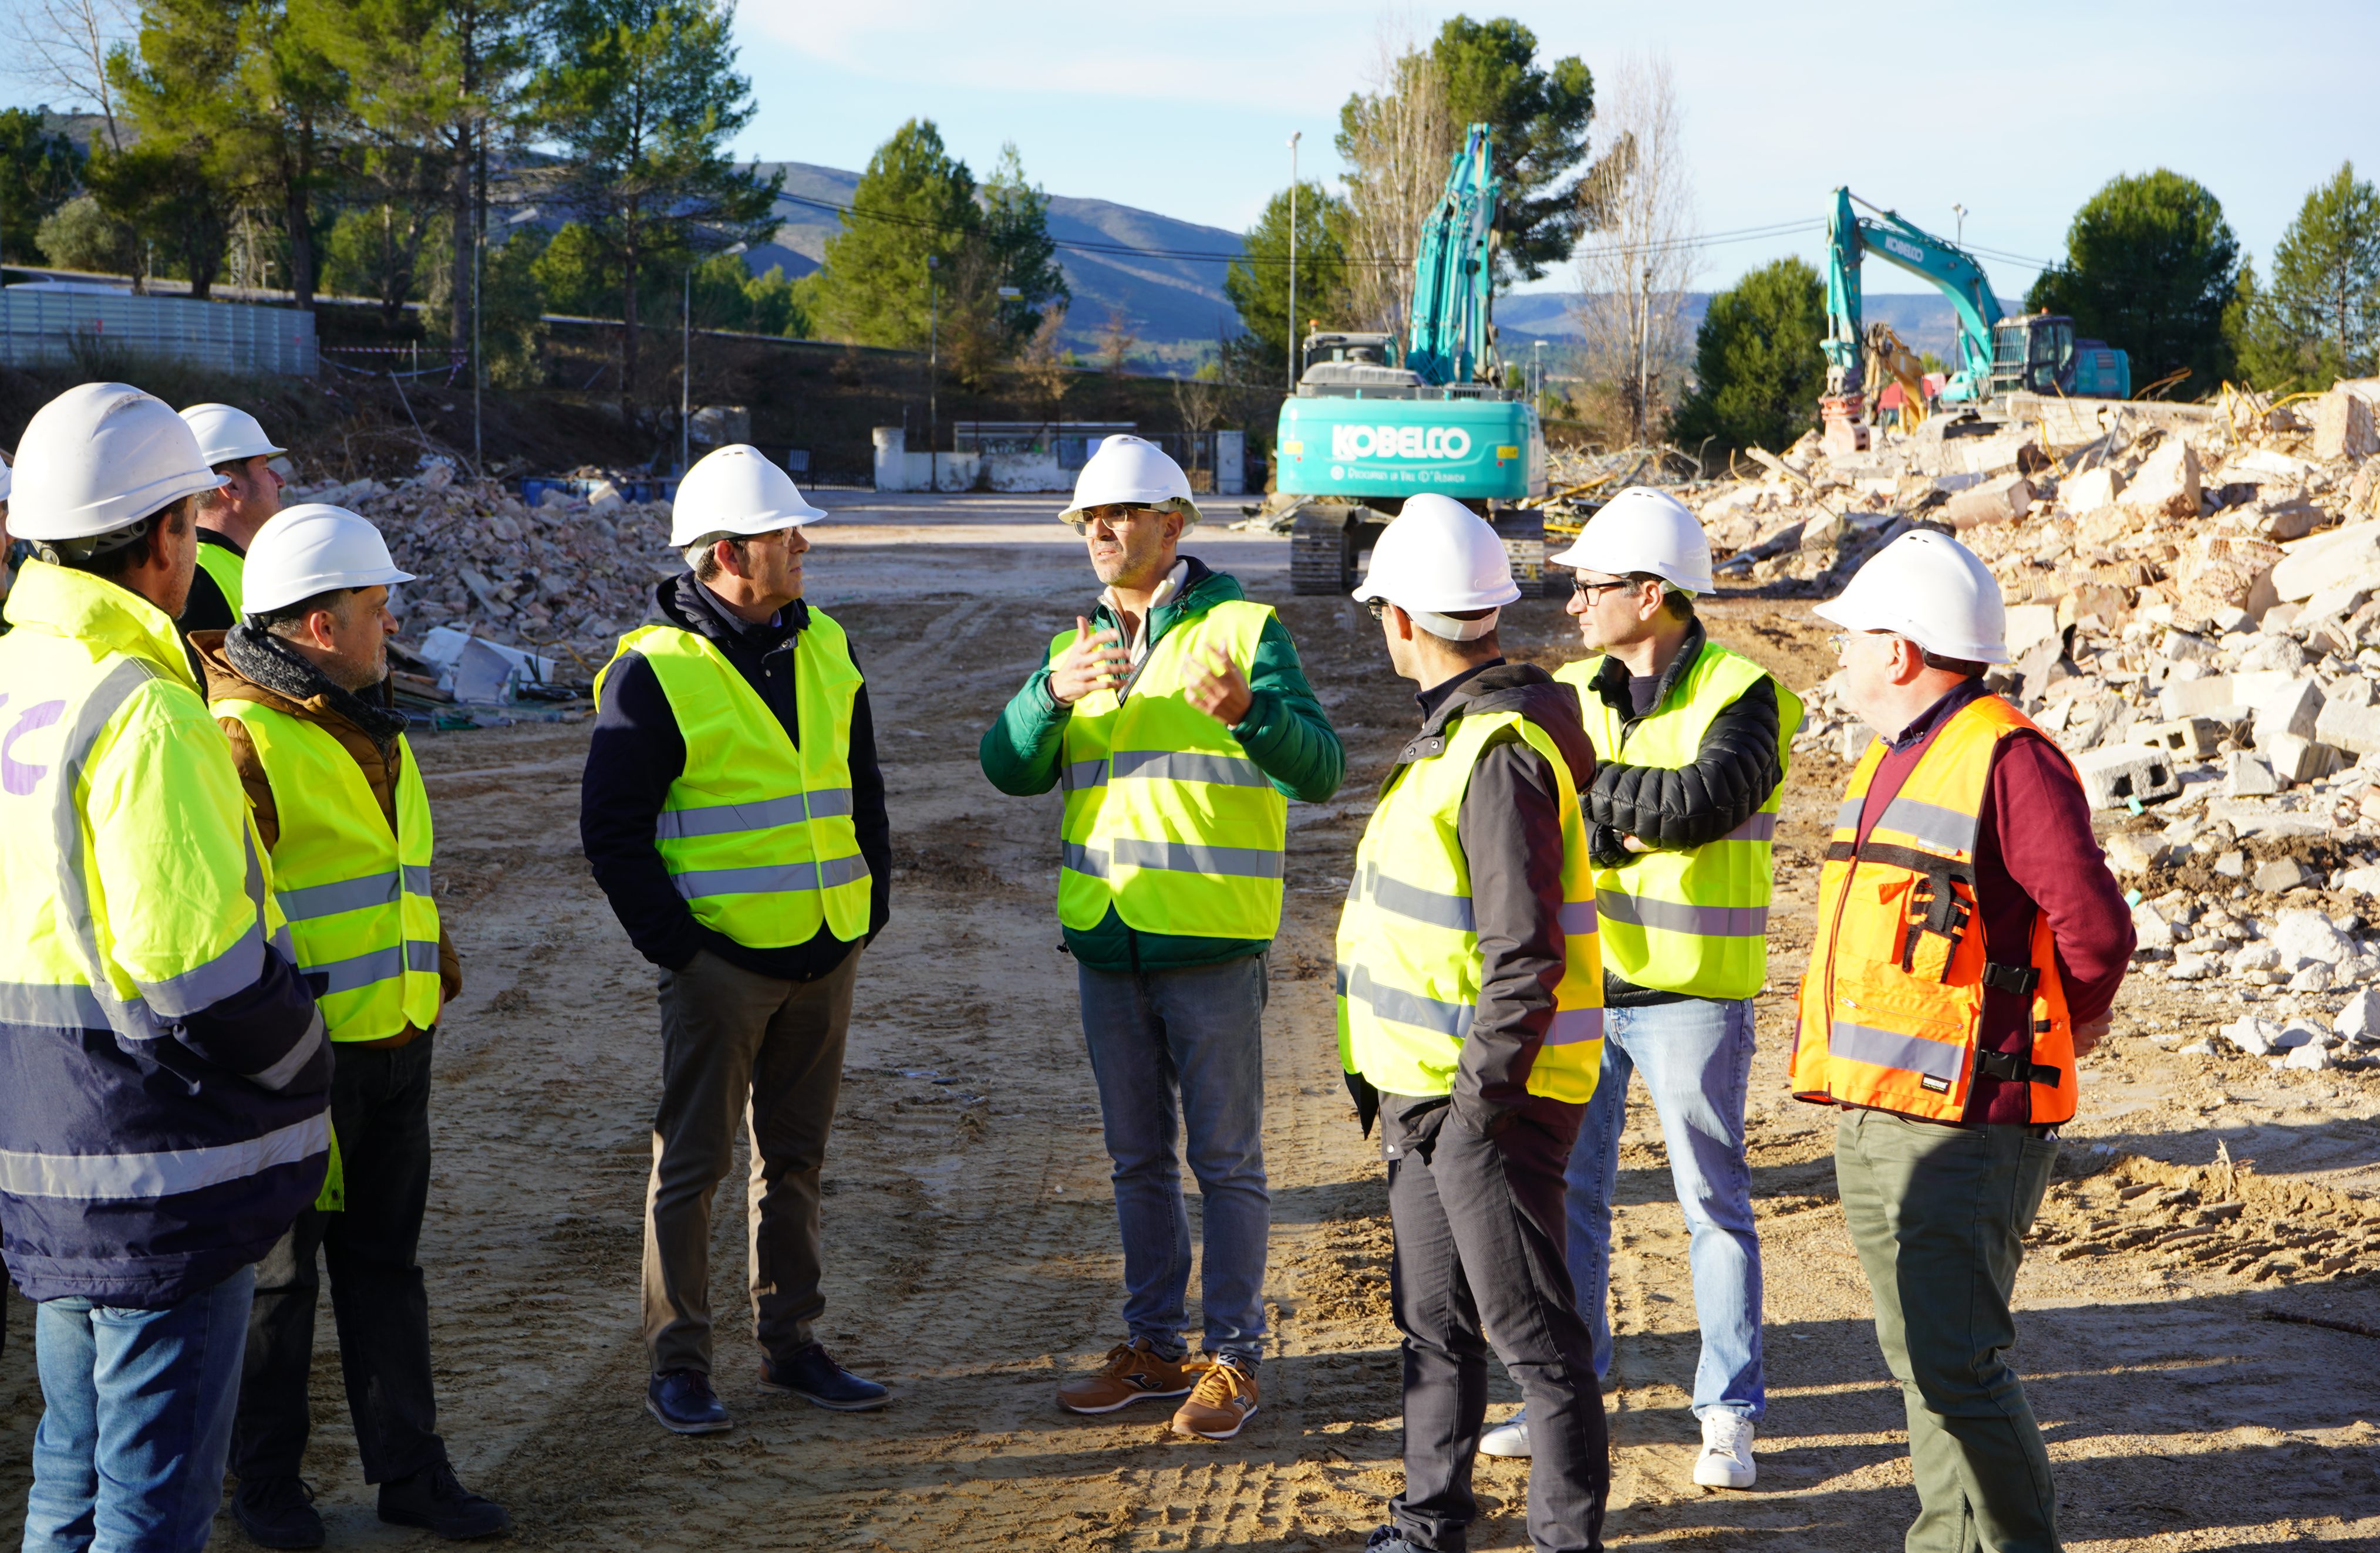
<point x="1938" y="1214"/>
<point x="737" y="1046"/>
<point x="379" y="1108"/>
<point x="1480" y="1226"/>
<point x="1191" y="1038"/>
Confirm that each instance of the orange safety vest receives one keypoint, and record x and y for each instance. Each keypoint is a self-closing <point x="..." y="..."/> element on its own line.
<point x="1893" y="999"/>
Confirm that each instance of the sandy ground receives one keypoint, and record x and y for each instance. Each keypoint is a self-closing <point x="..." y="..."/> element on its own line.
<point x="970" y="1231"/>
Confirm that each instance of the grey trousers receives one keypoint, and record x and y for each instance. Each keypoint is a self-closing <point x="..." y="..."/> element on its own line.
<point x="1938" y="1216"/>
<point x="737" y="1047"/>
<point x="1480" y="1225"/>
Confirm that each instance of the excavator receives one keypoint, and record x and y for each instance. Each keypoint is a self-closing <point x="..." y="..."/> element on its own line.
<point x="1367" y="426"/>
<point x="2035" y="352"/>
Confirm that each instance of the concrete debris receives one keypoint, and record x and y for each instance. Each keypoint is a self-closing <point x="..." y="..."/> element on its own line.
<point x="555" y="584"/>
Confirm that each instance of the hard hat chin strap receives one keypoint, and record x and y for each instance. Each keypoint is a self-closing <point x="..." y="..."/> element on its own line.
<point x="1451" y="629"/>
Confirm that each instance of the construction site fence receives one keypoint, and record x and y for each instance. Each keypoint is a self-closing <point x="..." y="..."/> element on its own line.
<point x="51" y="325"/>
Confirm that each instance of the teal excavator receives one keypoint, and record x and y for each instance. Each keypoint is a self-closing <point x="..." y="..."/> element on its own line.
<point x="2037" y="353"/>
<point x="1365" y="428"/>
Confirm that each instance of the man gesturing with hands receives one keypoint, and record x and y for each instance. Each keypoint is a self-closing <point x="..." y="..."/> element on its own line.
<point x="1178" y="722"/>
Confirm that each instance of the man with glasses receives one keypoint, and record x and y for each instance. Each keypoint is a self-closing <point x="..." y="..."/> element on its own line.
<point x="1178" y="722"/>
<point x="1690" y="743"/>
<point x="1970" y="942"/>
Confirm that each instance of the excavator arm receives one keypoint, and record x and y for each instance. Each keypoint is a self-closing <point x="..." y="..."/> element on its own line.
<point x="1454" y="274"/>
<point x="1849" y="238"/>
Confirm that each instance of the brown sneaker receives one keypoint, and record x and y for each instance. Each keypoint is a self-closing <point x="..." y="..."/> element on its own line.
<point x="1225" y="1399"/>
<point x="1133" y="1370"/>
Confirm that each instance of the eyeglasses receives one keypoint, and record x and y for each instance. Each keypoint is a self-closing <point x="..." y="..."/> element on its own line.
<point x="1380" y="608"/>
<point x="1842" y="640"/>
<point x="1114" y="515"/>
<point x="1593" y="591"/>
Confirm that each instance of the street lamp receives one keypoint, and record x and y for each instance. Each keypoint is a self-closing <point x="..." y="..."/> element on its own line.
<point x="1292" y="256"/>
<point x="685" y="363"/>
<point x="933" y="370"/>
<point x="1961" y="211"/>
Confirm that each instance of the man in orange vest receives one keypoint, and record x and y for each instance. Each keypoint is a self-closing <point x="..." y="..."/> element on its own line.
<point x="1970" y="942"/>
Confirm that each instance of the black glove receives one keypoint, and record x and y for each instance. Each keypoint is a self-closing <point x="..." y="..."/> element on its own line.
<point x="1366" y="1099"/>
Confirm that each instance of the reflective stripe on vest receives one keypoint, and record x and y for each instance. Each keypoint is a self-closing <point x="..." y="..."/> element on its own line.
<point x="758" y="833"/>
<point x="1693" y="921"/>
<point x="1892" y="1004"/>
<point x="1167" y="820"/>
<point x="357" y="895"/>
<point x="1409" y="962"/>
<point x="229" y="572"/>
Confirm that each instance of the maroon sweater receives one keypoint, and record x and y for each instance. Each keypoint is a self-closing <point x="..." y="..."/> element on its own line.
<point x="2046" y="861"/>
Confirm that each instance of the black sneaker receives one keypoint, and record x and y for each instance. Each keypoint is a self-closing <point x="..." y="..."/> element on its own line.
<point x="434" y="1499"/>
<point x="277" y="1512"/>
<point x="812" y="1373"/>
<point x="685" y="1404"/>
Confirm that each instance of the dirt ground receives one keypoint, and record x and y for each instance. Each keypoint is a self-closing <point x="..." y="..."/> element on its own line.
<point x="2208" y="1207"/>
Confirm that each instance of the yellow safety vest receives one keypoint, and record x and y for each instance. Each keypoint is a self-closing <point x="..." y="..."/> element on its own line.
<point x="1167" y="819"/>
<point x="1695" y="920"/>
<point x="228" y="570"/>
<point x="1409" y="964"/>
<point x="756" y="832"/>
<point x="356" y="894"/>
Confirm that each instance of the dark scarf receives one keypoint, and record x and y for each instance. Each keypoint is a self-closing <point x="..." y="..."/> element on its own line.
<point x="268" y="660"/>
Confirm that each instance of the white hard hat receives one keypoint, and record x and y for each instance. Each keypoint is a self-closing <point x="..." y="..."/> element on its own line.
<point x="228" y="435"/>
<point x="313" y="548"/>
<point x="1929" y="588"/>
<point x="1439" y="557"/>
<point x="1642" y="530"/>
<point x="99" y="457"/>
<point x="1133" y="470"/>
<point x="735" y="490"/>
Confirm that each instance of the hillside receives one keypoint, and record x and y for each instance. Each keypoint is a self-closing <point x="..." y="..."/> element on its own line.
<point x="1923" y="322"/>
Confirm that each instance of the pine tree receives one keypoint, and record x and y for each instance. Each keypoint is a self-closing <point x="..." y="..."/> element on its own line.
<point x="913" y="200"/>
<point x="2150" y="267"/>
<point x="2320" y="320"/>
<point x="1757" y="365"/>
<point x="1258" y="283"/>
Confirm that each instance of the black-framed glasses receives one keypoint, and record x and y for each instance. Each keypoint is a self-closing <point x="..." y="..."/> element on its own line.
<point x="1380" y="608"/>
<point x="1593" y="592"/>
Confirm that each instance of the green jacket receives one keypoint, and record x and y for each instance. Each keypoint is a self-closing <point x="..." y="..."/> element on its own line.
<point x="1285" y="732"/>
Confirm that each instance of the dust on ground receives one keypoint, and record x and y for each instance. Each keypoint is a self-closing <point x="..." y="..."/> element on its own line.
<point x="2208" y="1208"/>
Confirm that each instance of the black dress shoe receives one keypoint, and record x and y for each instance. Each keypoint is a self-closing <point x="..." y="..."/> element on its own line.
<point x="433" y="1497"/>
<point x="277" y="1512"/>
<point x="684" y="1404"/>
<point x="811" y="1372"/>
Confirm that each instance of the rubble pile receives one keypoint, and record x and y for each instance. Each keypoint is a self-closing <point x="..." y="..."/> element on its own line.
<point x="2194" y="614"/>
<point x="563" y="578"/>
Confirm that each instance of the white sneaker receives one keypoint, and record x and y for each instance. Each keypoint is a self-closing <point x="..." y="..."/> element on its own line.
<point x="1726" y="1459"/>
<point x="1507" y="1438"/>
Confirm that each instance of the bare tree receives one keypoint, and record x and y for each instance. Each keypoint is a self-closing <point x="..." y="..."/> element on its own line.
<point x="1634" y="274"/>
<point x="1043" y="364"/>
<point x="61" y="47"/>
<point x="1116" y="340"/>
<point x="1396" y="139"/>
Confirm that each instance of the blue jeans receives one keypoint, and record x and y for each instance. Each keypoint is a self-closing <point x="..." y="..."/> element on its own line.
<point x="1194" y="1033"/>
<point x="136" y="1421"/>
<point x="1697" y="1058"/>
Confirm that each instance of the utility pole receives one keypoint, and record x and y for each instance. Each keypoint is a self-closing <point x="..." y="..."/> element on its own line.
<point x="1644" y="339"/>
<point x="478" y="262"/>
<point x="686" y="362"/>
<point x="933" y="371"/>
<point x="1292" y="256"/>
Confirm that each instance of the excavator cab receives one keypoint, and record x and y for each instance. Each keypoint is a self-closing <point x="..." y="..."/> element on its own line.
<point x="2038" y="353"/>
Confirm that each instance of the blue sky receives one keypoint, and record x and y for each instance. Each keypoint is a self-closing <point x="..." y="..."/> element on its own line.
<point x="2017" y="110"/>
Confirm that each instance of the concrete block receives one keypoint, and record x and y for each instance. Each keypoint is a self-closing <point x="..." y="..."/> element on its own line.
<point x="1995" y="501"/>
<point x="2360" y="1020"/>
<point x="2029" y="625"/>
<point x="2132" y="852"/>
<point x="2299" y="759"/>
<point x="2343" y="427"/>
<point x="2315" y="563"/>
<point x="2336" y="600"/>
<point x="2277" y="878"/>
<point x="2293" y="708"/>
<point x="2114" y="776"/>
<point x="2197" y="697"/>
<point x="2090" y="490"/>
<point x="2350" y="728"/>
<point x="2188" y="739"/>
<point x="2247" y="775"/>
<point x="2168" y="482"/>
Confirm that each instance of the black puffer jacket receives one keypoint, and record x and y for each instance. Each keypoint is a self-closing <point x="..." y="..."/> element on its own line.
<point x="1673" y="808"/>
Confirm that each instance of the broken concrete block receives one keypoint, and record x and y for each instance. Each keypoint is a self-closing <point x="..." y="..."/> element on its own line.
<point x="2350" y="728"/>
<point x="2186" y="647"/>
<point x="2246" y="774"/>
<point x="2359" y="1019"/>
<point x="2336" y="601"/>
<point x="2297" y="759"/>
<point x="2090" y="490"/>
<point x="2150" y="929"/>
<point x="2197" y="697"/>
<point x="2292" y="709"/>
<point x="2254" y="1036"/>
<point x="2313" y="563"/>
<point x="2131" y="852"/>
<point x="2189" y="738"/>
<point x="2308" y="1058"/>
<point x="2121" y="774"/>
<point x="2284" y="517"/>
<point x="2168" y="482"/>
<point x="2028" y="625"/>
<point x="2279" y="877"/>
<point x="2342" y="427"/>
<point x="1995" y="501"/>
